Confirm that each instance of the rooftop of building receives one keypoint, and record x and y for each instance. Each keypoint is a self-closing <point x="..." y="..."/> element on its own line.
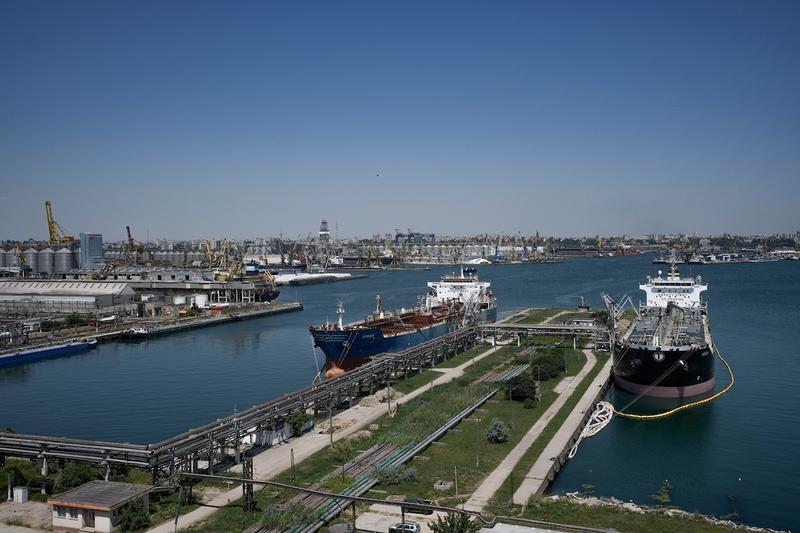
<point x="100" y="495"/>
<point x="64" y="288"/>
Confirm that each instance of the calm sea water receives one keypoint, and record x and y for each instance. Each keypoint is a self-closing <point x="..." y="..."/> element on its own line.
<point x="737" y="455"/>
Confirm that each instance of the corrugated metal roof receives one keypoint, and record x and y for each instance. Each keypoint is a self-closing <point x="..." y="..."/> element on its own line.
<point x="64" y="288"/>
<point x="101" y="494"/>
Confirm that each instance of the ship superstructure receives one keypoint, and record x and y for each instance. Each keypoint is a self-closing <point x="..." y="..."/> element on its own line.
<point x="666" y="352"/>
<point x="451" y="303"/>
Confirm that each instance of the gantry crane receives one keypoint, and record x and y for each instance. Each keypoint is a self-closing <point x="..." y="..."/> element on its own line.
<point x="58" y="234"/>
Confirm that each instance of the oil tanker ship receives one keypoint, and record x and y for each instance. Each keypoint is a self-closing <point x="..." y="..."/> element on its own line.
<point x="451" y="303"/>
<point x="666" y="352"/>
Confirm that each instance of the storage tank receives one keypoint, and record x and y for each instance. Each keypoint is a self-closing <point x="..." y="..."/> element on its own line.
<point x="11" y="258"/>
<point x="31" y="256"/>
<point x="47" y="258"/>
<point x="2" y="258"/>
<point x="63" y="260"/>
<point x="76" y="258"/>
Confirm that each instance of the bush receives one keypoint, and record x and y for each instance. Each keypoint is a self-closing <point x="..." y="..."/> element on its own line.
<point x="530" y="403"/>
<point x="297" y="422"/>
<point x="75" y="474"/>
<point x="343" y="451"/>
<point x="395" y="474"/>
<point x="497" y="432"/>
<point x="548" y="365"/>
<point x="522" y="387"/>
<point x="134" y="517"/>
<point x="455" y="523"/>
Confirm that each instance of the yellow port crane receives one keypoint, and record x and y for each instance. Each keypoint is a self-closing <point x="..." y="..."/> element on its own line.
<point x="58" y="234"/>
<point x="134" y="251"/>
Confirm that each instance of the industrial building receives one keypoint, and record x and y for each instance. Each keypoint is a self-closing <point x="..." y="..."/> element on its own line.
<point x="95" y="506"/>
<point x="91" y="251"/>
<point x="30" y="298"/>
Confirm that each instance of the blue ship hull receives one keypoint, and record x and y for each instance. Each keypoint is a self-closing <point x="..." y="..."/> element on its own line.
<point x="351" y="348"/>
<point x="49" y="352"/>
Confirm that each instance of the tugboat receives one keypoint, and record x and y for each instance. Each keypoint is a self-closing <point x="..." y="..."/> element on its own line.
<point x="666" y="352"/>
<point x="451" y="303"/>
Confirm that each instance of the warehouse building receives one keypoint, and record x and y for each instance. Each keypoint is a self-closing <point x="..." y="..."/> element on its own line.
<point x="53" y="297"/>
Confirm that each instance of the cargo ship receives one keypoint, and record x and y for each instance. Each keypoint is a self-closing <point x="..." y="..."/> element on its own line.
<point x="451" y="303"/>
<point x="667" y="350"/>
<point x="46" y="352"/>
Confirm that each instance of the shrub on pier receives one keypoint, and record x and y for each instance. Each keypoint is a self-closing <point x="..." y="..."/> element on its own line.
<point x="134" y="517"/>
<point x="548" y="365"/>
<point x="497" y="432"/>
<point x="521" y="387"/>
<point x="297" y="421"/>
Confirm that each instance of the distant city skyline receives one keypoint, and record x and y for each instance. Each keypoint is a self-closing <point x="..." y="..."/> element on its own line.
<point x="212" y="120"/>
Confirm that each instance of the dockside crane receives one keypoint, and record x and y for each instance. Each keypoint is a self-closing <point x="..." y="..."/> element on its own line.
<point x="58" y="235"/>
<point x="134" y="249"/>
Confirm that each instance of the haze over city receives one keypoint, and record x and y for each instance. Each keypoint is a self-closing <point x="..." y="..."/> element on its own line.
<point x="198" y="120"/>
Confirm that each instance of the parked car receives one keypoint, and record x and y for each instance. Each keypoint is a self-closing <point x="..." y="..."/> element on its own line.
<point x="406" y="527"/>
<point x="416" y="509"/>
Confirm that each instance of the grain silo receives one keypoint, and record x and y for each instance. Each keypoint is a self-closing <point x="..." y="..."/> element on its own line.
<point x="76" y="258"/>
<point x="63" y="260"/>
<point x="2" y="258"/>
<point x="31" y="256"/>
<point x="47" y="261"/>
<point x="11" y="258"/>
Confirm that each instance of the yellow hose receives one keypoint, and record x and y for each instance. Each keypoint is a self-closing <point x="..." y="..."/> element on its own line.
<point x="690" y="404"/>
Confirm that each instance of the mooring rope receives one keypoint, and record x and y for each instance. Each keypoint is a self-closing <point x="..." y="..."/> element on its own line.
<point x="604" y="411"/>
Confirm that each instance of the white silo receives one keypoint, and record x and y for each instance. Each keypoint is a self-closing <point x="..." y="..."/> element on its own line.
<point x="2" y="258"/>
<point x="11" y="258"/>
<point x="63" y="260"/>
<point x="47" y="258"/>
<point x="31" y="256"/>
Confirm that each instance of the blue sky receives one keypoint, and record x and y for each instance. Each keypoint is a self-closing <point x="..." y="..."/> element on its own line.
<point x="194" y="119"/>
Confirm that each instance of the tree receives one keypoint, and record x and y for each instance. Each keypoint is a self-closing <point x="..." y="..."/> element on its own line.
<point x="133" y="517"/>
<point x="522" y="387"/>
<point x="455" y="523"/>
<point x="73" y="475"/>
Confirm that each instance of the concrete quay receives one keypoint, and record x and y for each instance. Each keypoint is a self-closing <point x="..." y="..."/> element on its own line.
<point x="487" y="489"/>
<point x="549" y="462"/>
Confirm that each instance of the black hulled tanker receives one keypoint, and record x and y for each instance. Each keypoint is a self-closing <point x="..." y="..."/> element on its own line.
<point x="666" y="352"/>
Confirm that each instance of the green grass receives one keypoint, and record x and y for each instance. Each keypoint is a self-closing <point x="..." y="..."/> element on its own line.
<point x="537" y="316"/>
<point x="463" y="357"/>
<point x="430" y="409"/>
<point x="462" y="446"/>
<point x="566" y="317"/>
<point x="538" y="446"/>
<point x="416" y="381"/>
<point x="602" y="517"/>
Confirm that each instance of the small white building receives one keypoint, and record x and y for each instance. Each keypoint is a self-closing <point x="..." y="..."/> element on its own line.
<point x="94" y="506"/>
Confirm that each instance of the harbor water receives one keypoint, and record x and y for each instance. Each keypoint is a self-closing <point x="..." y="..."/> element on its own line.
<point x="735" y="457"/>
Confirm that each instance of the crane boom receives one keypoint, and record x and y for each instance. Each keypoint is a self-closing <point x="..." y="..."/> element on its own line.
<point x="57" y="233"/>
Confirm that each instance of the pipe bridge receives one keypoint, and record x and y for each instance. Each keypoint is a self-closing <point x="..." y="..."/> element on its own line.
<point x="226" y="441"/>
<point x="600" y="335"/>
